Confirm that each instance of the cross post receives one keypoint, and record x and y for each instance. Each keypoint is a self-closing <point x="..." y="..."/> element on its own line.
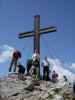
<point x="36" y="35"/>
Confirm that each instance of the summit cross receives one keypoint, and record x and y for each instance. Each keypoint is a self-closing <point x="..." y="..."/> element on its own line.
<point x="37" y="32"/>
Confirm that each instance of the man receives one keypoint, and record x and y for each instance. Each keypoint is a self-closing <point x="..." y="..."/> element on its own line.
<point x="21" y="71"/>
<point x="35" y="68"/>
<point x="16" y="55"/>
<point x="36" y="64"/>
<point x="46" y="65"/>
<point x="74" y="86"/>
<point x="36" y="55"/>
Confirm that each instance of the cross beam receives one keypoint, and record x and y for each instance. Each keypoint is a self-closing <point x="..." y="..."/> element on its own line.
<point x="37" y="32"/>
<point x="41" y="31"/>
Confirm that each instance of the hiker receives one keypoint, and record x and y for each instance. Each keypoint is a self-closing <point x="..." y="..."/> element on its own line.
<point x="21" y="71"/>
<point x="74" y="86"/>
<point x="28" y="66"/>
<point x="16" y="55"/>
<point x="54" y="77"/>
<point x="36" y="55"/>
<point x="36" y="64"/>
<point x="35" y="67"/>
<point x="46" y="65"/>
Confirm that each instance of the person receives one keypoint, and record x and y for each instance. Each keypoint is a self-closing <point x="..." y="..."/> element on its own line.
<point x="28" y="66"/>
<point x="16" y="55"/>
<point x="46" y="65"/>
<point x="74" y="86"/>
<point x="21" y="71"/>
<point x="54" y="76"/>
<point x="35" y="67"/>
<point x="36" y="64"/>
<point x="36" y="55"/>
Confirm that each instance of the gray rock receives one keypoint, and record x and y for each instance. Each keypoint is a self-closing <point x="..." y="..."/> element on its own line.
<point x="11" y="88"/>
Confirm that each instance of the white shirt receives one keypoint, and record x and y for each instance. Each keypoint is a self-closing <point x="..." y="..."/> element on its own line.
<point x="35" y="56"/>
<point x="46" y="63"/>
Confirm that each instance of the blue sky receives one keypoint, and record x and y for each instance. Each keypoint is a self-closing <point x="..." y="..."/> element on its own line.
<point x="18" y="16"/>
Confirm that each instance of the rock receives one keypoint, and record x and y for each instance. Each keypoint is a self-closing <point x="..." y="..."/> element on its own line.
<point x="35" y="82"/>
<point x="30" y="87"/>
<point x="11" y="88"/>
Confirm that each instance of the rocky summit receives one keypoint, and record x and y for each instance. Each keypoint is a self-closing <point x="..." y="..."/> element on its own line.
<point x="11" y="88"/>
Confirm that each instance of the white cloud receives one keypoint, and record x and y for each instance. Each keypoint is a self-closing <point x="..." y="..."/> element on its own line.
<point x="73" y="65"/>
<point x="5" y="53"/>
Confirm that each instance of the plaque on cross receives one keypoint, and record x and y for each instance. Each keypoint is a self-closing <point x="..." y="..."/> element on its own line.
<point x="37" y="32"/>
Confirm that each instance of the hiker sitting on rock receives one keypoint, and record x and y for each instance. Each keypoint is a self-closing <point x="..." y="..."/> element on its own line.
<point x="21" y="71"/>
<point x="54" y="76"/>
<point x="16" y="55"/>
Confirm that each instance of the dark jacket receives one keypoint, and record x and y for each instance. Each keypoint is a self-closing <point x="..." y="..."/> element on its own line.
<point x="16" y="54"/>
<point x="21" y="69"/>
